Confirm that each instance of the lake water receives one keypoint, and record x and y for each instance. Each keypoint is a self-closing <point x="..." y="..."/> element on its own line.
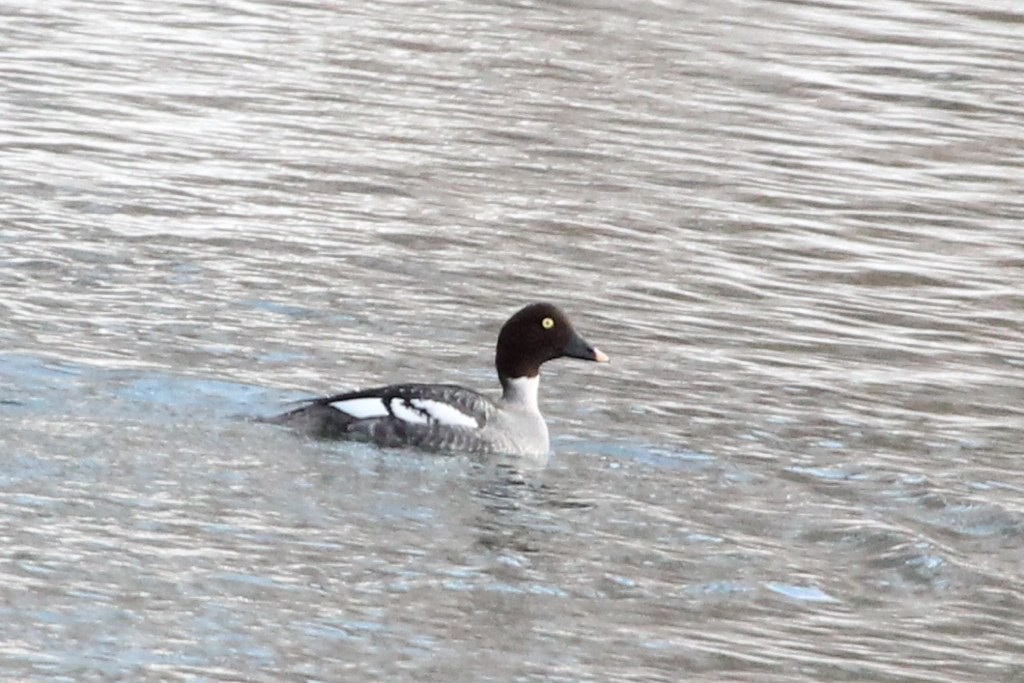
<point x="796" y="227"/>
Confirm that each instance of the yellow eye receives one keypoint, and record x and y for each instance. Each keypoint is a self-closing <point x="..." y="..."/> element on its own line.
<point x="547" y="323"/>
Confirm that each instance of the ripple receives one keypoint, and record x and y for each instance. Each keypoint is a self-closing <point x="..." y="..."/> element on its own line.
<point x="794" y="227"/>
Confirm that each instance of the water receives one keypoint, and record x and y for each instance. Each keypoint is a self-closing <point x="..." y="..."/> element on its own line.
<point x="795" y="227"/>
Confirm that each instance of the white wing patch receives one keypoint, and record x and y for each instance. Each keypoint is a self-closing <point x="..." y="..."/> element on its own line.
<point x="407" y="413"/>
<point x="362" y="408"/>
<point x="444" y="413"/>
<point x="414" y="411"/>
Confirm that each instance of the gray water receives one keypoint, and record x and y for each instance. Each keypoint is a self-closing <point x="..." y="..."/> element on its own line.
<point x="794" y="226"/>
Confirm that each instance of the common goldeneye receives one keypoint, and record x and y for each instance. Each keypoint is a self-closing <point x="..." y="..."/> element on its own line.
<point x="446" y="417"/>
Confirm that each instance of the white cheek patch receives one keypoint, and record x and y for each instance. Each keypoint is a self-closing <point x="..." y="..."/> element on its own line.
<point x="444" y="413"/>
<point x="362" y="408"/>
<point x="404" y="412"/>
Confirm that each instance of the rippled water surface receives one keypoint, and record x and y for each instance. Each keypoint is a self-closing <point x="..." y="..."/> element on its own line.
<point x="796" y="227"/>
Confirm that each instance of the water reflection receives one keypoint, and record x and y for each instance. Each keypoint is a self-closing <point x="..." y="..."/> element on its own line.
<point x="516" y="515"/>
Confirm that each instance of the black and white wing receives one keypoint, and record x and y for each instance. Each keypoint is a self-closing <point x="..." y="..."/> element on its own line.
<point x="445" y="405"/>
<point x="428" y="416"/>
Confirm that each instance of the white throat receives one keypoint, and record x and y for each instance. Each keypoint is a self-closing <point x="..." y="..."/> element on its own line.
<point x="521" y="392"/>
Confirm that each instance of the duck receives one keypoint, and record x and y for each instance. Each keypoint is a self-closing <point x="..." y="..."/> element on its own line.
<point x="447" y="418"/>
